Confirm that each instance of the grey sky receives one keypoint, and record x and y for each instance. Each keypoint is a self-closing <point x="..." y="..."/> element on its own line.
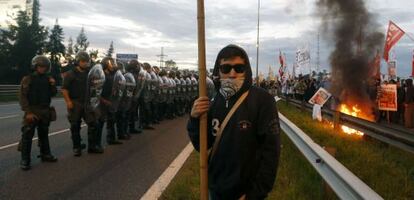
<point x="144" y="26"/>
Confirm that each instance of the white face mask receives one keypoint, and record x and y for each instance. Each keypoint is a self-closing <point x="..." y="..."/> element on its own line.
<point x="230" y="86"/>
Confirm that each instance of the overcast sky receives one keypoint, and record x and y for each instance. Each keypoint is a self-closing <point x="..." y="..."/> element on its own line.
<point x="144" y="26"/>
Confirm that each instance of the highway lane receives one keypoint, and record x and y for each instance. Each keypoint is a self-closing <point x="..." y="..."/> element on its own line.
<point x="10" y="126"/>
<point x="123" y="172"/>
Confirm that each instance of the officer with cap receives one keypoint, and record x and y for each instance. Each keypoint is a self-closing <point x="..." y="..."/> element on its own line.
<point x="35" y="95"/>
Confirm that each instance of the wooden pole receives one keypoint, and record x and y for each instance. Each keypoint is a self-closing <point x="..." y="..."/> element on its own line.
<point x="202" y="93"/>
<point x="257" y="44"/>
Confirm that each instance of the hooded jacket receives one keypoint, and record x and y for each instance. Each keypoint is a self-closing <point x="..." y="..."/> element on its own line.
<point x="246" y="159"/>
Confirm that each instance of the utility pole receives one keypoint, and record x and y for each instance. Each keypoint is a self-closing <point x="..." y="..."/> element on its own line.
<point x="162" y="55"/>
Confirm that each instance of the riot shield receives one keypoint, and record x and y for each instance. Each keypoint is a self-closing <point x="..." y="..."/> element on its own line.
<point x="140" y="83"/>
<point x="130" y="86"/>
<point x="96" y="79"/>
<point x="118" y="88"/>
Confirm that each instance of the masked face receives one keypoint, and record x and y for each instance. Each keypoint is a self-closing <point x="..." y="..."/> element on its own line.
<point x="231" y="81"/>
<point x="230" y="87"/>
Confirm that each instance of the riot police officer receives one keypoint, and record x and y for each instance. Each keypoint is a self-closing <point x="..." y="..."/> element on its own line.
<point x="35" y="95"/>
<point x="124" y="106"/>
<point x="108" y="102"/>
<point x="74" y="90"/>
<point x="134" y="68"/>
<point x="147" y="114"/>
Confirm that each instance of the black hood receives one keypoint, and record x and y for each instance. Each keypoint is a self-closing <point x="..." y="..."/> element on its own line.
<point x="248" y="74"/>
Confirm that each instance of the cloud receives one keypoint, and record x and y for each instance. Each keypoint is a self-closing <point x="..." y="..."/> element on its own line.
<point x="145" y="26"/>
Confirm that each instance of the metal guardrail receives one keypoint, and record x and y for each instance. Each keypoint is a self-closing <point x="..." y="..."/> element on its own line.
<point x="9" y="90"/>
<point x="400" y="138"/>
<point x="342" y="181"/>
<point x="12" y="90"/>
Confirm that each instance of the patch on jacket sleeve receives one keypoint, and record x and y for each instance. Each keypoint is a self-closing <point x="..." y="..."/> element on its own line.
<point x="244" y="125"/>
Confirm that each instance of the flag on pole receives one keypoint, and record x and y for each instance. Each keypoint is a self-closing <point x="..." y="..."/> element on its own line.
<point x="394" y="34"/>
<point x="282" y="64"/>
<point x="412" y="71"/>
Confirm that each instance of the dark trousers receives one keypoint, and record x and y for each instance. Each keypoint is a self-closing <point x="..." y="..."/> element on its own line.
<point x="28" y="131"/>
<point x="75" y="117"/>
<point x="108" y="117"/>
<point x="121" y="123"/>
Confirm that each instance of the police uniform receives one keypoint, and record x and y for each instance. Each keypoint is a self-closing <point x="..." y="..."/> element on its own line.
<point x="35" y="97"/>
<point x="75" y="83"/>
<point x="146" y="105"/>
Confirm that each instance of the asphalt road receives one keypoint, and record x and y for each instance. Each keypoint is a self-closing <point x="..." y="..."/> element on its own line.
<point x="123" y="172"/>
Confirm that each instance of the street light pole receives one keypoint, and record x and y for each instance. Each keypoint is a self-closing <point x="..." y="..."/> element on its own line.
<point x="257" y="43"/>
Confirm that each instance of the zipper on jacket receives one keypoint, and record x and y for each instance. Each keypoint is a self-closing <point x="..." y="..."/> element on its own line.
<point x="227" y="103"/>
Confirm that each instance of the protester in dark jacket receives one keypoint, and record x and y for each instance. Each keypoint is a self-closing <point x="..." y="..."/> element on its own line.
<point x="245" y="162"/>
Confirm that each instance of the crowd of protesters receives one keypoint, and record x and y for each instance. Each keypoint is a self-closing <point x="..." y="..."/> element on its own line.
<point x="302" y="88"/>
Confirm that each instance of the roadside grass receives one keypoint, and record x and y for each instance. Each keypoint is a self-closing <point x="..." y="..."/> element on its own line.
<point x="387" y="170"/>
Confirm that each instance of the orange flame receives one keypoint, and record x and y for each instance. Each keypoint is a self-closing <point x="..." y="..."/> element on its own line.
<point x="353" y="111"/>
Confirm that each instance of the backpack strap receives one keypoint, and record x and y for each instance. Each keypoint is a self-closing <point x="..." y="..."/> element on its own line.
<point x="226" y="120"/>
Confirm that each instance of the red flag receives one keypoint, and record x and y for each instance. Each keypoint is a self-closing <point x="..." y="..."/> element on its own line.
<point x="412" y="72"/>
<point x="282" y="64"/>
<point x="394" y="34"/>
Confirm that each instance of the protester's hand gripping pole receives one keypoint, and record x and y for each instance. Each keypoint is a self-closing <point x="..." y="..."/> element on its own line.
<point x="202" y="92"/>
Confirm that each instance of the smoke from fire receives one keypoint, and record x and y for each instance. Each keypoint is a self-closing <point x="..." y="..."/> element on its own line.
<point x="354" y="32"/>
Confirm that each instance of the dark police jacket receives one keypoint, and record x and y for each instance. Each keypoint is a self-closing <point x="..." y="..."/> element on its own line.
<point x="35" y="95"/>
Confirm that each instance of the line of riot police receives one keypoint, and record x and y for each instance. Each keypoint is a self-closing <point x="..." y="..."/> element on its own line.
<point x="126" y="98"/>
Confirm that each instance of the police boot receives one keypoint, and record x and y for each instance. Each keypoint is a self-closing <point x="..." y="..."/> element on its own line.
<point x="98" y="141"/>
<point x="45" y="154"/>
<point x="121" y="128"/>
<point x="26" y="147"/>
<point x="92" y="135"/>
<point x="76" y="139"/>
<point x="110" y="139"/>
<point x="132" y="129"/>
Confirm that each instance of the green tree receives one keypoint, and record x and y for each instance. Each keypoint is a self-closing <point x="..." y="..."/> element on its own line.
<point x="39" y="32"/>
<point x="21" y="42"/>
<point x="110" y="50"/>
<point x="170" y="63"/>
<point x="69" y="49"/>
<point x="5" y="48"/>
<point x="81" y="42"/>
<point x="56" y="49"/>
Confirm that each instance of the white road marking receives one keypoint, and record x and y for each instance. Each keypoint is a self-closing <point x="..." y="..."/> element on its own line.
<point x="155" y="191"/>
<point x="9" y="116"/>
<point x="35" y="138"/>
